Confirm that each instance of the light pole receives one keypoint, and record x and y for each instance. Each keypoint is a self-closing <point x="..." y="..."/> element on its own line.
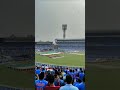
<point x="64" y="28"/>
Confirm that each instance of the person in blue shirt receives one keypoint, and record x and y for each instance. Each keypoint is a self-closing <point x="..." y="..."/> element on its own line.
<point x="76" y="72"/>
<point x="58" y="81"/>
<point x="43" y="70"/>
<point x="65" y="70"/>
<point x="81" y="75"/>
<point x="41" y="83"/>
<point x="80" y="84"/>
<point x="71" y="73"/>
<point x="78" y="81"/>
<point x="37" y="71"/>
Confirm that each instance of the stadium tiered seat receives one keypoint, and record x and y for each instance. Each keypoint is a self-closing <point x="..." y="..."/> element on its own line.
<point x="16" y="49"/>
<point x="71" y="44"/>
<point x="102" y="47"/>
<point x="43" y="46"/>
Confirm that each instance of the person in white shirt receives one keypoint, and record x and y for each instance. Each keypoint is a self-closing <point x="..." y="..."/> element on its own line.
<point x="69" y="85"/>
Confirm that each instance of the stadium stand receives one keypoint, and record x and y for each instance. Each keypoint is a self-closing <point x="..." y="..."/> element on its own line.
<point x="102" y="46"/>
<point x="43" y="46"/>
<point x="71" y="45"/>
<point x="16" y="50"/>
<point x="66" y="45"/>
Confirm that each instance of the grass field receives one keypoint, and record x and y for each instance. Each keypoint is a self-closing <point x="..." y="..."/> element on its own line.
<point x="67" y="59"/>
<point x="15" y="78"/>
<point x="102" y="76"/>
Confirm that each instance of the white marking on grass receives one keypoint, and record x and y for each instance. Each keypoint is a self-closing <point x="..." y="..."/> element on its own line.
<point x="80" y="54"/>
<point x="77" y="53"/>
<point x="57" y="57"/>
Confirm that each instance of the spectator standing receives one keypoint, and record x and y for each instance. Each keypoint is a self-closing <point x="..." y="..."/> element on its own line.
<point x="41" y="83"/>
<point x="51" y="85"/>
<point x="69" y="85"/>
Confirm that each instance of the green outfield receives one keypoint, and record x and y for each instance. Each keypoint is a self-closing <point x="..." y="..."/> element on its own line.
<point x="13" y="78"/>
<point x="103" y="76"/>
<point x="64" y="59"/>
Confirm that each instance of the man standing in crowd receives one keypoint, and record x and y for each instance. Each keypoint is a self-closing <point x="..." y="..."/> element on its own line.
<point x="69" y="85"/>
<point x="51" y="85"/>
<point x="41" y="83"/>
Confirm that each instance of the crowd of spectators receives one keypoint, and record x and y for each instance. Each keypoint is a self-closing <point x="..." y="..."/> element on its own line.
<point x="59" y="78"/>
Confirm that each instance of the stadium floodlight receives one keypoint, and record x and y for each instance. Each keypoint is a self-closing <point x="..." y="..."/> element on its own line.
<point x="64" y="28"/>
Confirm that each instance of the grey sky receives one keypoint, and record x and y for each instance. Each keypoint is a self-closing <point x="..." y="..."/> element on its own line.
<point x="51" y="14"/>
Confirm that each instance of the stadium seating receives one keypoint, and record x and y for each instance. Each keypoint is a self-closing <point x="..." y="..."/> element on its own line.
<point x="102" y="47"/>
<point x="71" y="45"/>
<point x="41" y="46"/>
<point x="16" y="49"/>
<point x="63" y="45"/>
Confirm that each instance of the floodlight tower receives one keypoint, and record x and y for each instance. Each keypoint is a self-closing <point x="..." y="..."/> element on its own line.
<point x="64" y="28"/>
